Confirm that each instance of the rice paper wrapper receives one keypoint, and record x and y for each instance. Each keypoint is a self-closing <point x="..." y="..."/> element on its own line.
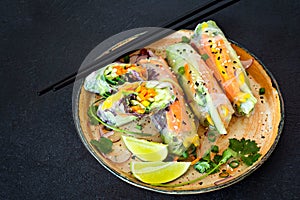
<point x="100" y="81"/>
<point x="203" y="93"/>
<point x="176" y="124"/>
<point x="116" y="110"/>
<point x="209" y="40"/>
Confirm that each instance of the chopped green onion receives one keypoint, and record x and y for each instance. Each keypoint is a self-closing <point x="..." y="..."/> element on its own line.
<point x="234" y="164"/>
<point x="126" y="59"/>
<point x="185" y="154"/>
<point x="224" y="174"/>
<point x="262" y="91"/>
<point x="204" y="57"/>
<point x="138" y="127"/>
<point x="181" y="70"/>
<point x="185" y="39"/>
<point x="211" y="136"/>
<point x="214" y="149"/>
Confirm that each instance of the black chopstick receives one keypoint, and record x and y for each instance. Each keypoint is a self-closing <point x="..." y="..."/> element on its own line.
<point x="142" y="41"/>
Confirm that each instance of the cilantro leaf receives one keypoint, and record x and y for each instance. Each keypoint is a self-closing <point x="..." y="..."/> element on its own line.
<point x="235" y="145"/>
<point x="250" y="159"/>
<point x="247" y="150"/>
<point x="243" y="146"/>
<point x="250" y="147"/>
<point x="226" y="155"/>
<point x="206" y="157"/>
<point x="217" y="158"/>
<point x="202" y="166"/>
<point x="92" y="109"/>
<point x="104" y="145"/>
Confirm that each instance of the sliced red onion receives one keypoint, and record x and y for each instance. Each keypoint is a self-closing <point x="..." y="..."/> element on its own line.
<point x="113" y="136"/>
<point x="247" y="63"/>
<point x="222" y="180"/>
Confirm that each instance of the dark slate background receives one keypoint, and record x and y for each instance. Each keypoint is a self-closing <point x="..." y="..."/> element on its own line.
<point x="42" y="156"/>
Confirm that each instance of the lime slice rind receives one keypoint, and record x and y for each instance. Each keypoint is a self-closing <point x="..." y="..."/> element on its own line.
<point x="145" y="150"/>
<point x="158" y="172"/>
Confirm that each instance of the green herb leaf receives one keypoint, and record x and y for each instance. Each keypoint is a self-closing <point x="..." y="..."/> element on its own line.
<point x="92" y="109"/>
<point x="181" y="70"/>
<point x="226" y="155"/>
<point x="247" y="150"/>
<point x="206" y="157"/>
<point x="235" y="144"/>
<point x="202" y="166"/>
<point x="217" y="159"/>
<point x="250" y="147"/>
<point x="243" y="146"/>
<point x="185" y="39"/>
<point x="104" y="145"/>
<point x="204" y="57"/>
<point x="214" y="149"/>
<point x="250" y="159"/>
<point x="262" y="91"/>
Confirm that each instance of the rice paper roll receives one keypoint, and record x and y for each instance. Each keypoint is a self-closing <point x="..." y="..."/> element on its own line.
<point x="135" y="100"/>
<point x="107" y="80"/>
<point x="221" y="58"/>
<point x="204" y="95"/>
<point x="175" y="123"/>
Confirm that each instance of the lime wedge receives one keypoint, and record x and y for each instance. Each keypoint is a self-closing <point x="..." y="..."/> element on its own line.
<point x="158" y="172"/>
<point x="145" y="150"/>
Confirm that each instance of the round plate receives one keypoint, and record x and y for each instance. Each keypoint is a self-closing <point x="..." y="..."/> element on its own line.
<point x="264" y="126"/>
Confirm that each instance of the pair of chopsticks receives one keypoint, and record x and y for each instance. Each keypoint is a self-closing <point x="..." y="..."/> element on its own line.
<point x="142" y="41"/>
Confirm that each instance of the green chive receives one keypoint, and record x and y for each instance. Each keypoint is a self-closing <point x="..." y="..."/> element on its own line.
<point x="262" y="91"/>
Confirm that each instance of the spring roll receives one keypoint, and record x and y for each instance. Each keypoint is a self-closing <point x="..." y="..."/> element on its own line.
<point x="209" y="40"/>
<point x="135" y="100"/>
<point x="107" y="80"/>
<point x="175" y="123"/>
<point x="204" y="95"/>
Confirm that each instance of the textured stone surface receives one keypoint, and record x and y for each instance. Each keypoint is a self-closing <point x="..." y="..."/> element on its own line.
<point x="42" y="157"/>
